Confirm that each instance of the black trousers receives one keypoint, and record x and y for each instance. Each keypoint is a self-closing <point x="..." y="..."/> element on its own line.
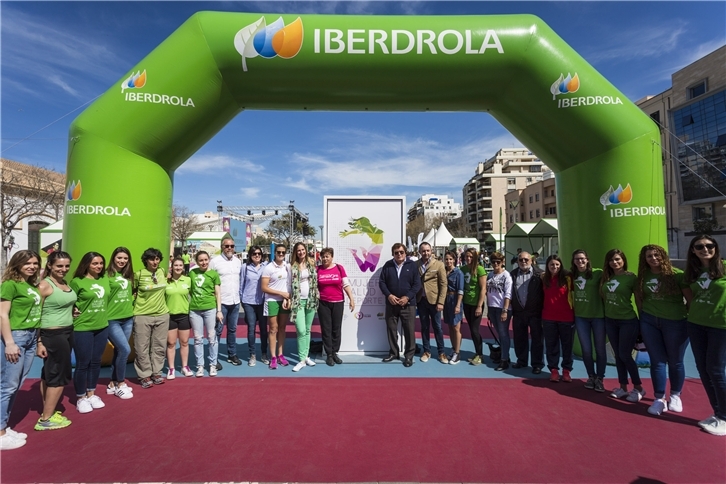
<point x="407" y="315"/>
<point x="559" y="339"/>
<point x="330" y="315"/>
<point x="525" y="325"/>
<point x="474" y="324"/>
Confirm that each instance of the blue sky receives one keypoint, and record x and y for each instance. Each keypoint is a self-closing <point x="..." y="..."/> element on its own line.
<point x="58" y="56"/>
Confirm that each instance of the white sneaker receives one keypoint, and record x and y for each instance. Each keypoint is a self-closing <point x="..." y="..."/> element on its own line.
<point x="619" y="393"/>
<point x="454" y="359"/>
<point x="19" y="435"/>
<point x="658" y="407"/>
<point x="186" y="371"/>
<point x="252" y="361"/>
<point x="716" y="427"/>
<point x="675" y="404"/>
<point x="170" y="374"/>
<point x="634" y="396"/>
<point x="111" y="390"/>
<point x="212" y="370"/>
<point x="124" y="392"/>
<point x="96" y="402"/>
<point x="706" y="422"/>
<point x="200" y="371"/>
<point x="309" y="361"/>
<point x="84" y="405"/>
<point x="299" y="366"/>
<point x="10" y="441"/>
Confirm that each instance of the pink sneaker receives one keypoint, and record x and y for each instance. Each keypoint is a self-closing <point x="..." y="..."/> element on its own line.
<point x="273" y="363"/>
<point x="281" y="360"/>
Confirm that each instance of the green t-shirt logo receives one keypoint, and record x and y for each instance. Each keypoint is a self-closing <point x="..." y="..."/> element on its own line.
<point x="653" y="285"/>
<point x="123" y="282"/>
<point x="199" y="280"/>
<point x="704" y="281"/>
<point x="612" y="285"/>
<point x="580" y="283"/>
<point x="99" y="290"/>
<point x="35" y="296"/>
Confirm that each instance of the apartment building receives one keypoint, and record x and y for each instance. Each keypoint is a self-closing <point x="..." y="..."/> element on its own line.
<point x="533" y="203"/>
<point x="433" y="206"/>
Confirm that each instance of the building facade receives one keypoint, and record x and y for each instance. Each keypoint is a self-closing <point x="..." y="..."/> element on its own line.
<point x="433" y="206"/>
<point x="533" y="203"/>
<point x="484" y="194"/>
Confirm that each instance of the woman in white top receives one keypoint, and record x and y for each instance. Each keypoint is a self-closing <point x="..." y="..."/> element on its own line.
<point x="276" y="281"/>
<point x="499" y="296"/>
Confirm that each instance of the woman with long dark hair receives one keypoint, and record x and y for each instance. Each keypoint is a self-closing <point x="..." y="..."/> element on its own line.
<point x="252" y="299"/>
<point x="499" y="298"/>
<point x="332" y="283"/>
<point x="558" y="318"/>
<point x="120" y="314"/>
<point x="55" y="341"/>
<point x="206" y="310"/>
<point x="19" y="320"/>
<point x="659" y="293"/>
<point x="475" y="290"/>
<point x="453" y="310"/>
<point x="90" y="329"/>
<point x="304" y="302"/>
<point x="621" y="323"/>
<point x="706" y="274"/>
<point x="177" y="300"/>
<point x="589" y="318"/>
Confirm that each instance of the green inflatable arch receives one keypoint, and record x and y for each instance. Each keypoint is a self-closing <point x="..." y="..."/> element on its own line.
<point x="125" y="147"/>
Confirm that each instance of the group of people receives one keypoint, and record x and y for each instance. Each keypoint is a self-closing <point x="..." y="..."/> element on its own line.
<point x="546" y="308"/>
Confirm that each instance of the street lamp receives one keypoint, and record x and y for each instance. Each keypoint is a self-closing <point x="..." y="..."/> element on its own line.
<point x="219" y="212"/>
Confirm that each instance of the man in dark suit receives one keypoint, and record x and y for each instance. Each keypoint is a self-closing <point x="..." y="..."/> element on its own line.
<point x="400" y="282"/>
<point x="527" y="301"/>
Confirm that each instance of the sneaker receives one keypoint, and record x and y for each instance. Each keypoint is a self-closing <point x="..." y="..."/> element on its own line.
<point x="658" y="407"/>
<point x="96" y="402"/>
<point x="186" y="371"/>
<point x="330" y="361"/>
<point x="252" y="361"/>
<point x="309" y="361"/>
<point x="124" y="386"/>
<point x="146" y="382"/>
<point x="425" y="357"/>
<point x="219" y="366"/>
<point x="84" y="406"/>
<point x="454" y="359"/>
<point x="212" y="370"/>
<point x="273" y="363"/>
<point x="599" y="387"/>
<point x="554" y="375"/>
<point x="675" y="404"/>
<point x="234" y="359"/>
<point x="475" y="361"/>
<point x="56" y="421"/>
<point x="619" y="393"/>
<point x="265" y="360"/>
<point x="170" y="375"/>
<point x="443" y="359"/>
<point x="716" y="427"/>
<point x="200" y="371"/>
<point x="111" y="389"/>
<point x="590" y="383"/>
<point x="9" y="442"/>
<point x="124" y="392"/>
<point x="706" y="422"/>
<point x="299" y="366"/>
<point x="157" y="380"/>
<point x="337" y="359"/>
<point x="566" y="376"/>
<point x="19" y="435"/>
<point x="282" y="361"/>
<point x="635" y="395"/>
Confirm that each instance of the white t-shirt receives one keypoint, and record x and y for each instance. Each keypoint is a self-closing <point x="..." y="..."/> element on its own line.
<point x="499" y="288"/>
<point x="280" y="279"/>
<point x="228" y="270"/>
<point x="304" y="283"/>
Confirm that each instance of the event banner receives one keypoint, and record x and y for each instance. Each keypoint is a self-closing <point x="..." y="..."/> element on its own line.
<point x="361" y="231"/>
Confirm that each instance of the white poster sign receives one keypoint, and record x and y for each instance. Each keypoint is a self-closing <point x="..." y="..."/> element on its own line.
<point x="361" y="231"/>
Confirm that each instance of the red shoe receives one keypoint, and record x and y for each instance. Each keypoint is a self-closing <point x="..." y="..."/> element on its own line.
<point x="566" y="376"/>
<point x="555" y="376"/>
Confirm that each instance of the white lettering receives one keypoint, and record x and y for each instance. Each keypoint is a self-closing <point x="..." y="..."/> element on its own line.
<point x="394" y="42"/>
<point x="572" y="102"/>
<point x="338" y="39"/>
<point x="491" y="41"/>
<point x="97" y="210"/>
<point x="316" y="41"/>
<point x="353" y="40"/>
<point x="381" y="41"/>
<point x="431" y="35"/>
<point x="459" y="41"/>
<point x="469" y="50"/>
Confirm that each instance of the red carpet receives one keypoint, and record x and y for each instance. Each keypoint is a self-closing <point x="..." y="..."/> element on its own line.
<point x="377" y="429"/>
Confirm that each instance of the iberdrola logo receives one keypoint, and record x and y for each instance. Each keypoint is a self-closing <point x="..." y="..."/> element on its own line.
<point x="616" y="197"/>
<point x="74" y="191"/>
<point x="565" y="85"/>
<point x="268" y="41"/>
<point x="134" y="81"/>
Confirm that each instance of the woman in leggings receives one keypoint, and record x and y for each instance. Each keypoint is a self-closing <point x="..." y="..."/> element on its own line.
<point x="120" y="314"/>
<point x="206" y="310"/>
<point x="475" y="287"/>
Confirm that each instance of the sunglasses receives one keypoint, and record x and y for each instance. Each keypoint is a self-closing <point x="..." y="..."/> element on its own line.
<point x="496" y="262"/>
<point x="278" y="252"/>
<point x="399" y="252"/>
<point x="579" y="259"/>
<point x="229" y="246"/>
<point x="256" y="253"/>
<point x="704" y="246"/>
<point x="523" y="260"/>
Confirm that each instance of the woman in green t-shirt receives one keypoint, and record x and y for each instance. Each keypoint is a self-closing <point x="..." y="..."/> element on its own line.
<point x="659" y="294"/>
<point x="177" y="300"/>
<point x="706" y="274"/>
<point x="19" y="320"/>
<point x="120" y="314"/>
<point x="206" y="310"/>
<point x="90" y="329"/>
<point x="621" y="322"/>
<point x="475" y="290"/>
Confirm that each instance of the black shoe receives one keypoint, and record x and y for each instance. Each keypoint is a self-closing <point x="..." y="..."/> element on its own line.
<point x="390" y="358"/>
<point x="219" y="366"/>
<point x="337" y="360"/>
<point x="330" y="361"/>
<point x="536" y="370"/>
<point x="407" y="362"/>
<point x="519" y="365"/>
<point x="234" y="360"/>
<point x="504" y="365"/>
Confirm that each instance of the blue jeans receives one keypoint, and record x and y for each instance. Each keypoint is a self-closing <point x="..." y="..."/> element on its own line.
<point x="559" y="337"/>
<point x="12" y="375"/>
<point x="230" y="315"/>
<point x="119" y="332"/>
<point x="589" y="329"/>
<point x="502" y="329"/>
<point x="709" y="350"/>
<point x="623" y="333"/>
<point x="666" y="341"/>
<point x="89" y="347"/>
<point x="202" y="320"/>
<point x="254" y="315"/>
<point x="428" y="314"/>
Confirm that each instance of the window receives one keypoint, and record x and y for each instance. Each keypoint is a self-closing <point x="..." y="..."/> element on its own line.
<point x="511" y="219"/>
<point x="656" y="117"/>
<point x="529" y="180"/>
<point x="530" y="199"/>
<point x="530" y="215"/>
<point x="702" y="211"/>
<point x="552" y="193"/>
<point x="511" y="181"/>
<point x="34" y="235"/>
<point x="697" y="90"/>
<point x="538" y="213"/>
<point x="535" y="169"/>
<point x="536" y="197"/>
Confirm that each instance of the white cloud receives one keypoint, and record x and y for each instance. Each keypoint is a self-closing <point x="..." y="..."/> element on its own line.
<point x="250" y="192"/>
<point x="215" y="164"/>
<point x="639" y="42"/>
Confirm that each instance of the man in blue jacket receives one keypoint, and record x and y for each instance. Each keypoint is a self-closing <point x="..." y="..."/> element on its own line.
<point x="400" y="282"/>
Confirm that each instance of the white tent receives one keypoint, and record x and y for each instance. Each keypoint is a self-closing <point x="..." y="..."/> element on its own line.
<point x="442" y="238"/>
<point x="430" y="236"/>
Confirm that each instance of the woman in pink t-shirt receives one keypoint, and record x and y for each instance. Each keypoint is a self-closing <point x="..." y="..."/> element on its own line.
<point x="332" y="281"/>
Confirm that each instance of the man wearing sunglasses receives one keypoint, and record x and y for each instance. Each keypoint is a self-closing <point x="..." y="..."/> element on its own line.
<point x="431" y="301"/>
<point x="228" y="266"/>
<point x="527" y="302"/>
<point x="400" y="282"/>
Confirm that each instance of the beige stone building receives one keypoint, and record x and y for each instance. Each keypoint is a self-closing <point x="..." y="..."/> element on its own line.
<point x="484" y="194"/>
<point x="533" y="203"/>
<point x="692" y="117"/>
